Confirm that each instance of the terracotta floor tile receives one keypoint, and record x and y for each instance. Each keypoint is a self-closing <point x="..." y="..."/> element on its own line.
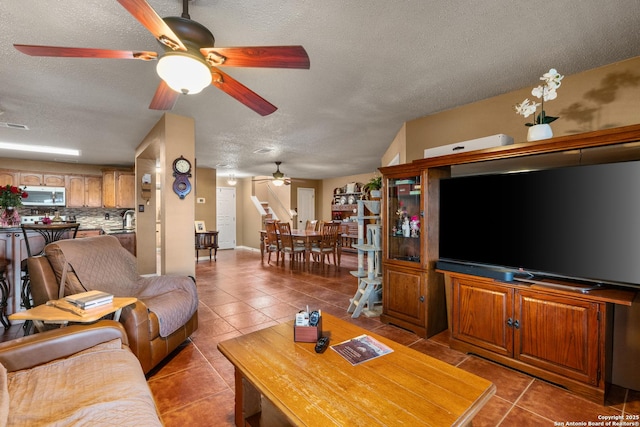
<point x="559" y="405"/>
<point x="509" y="383"/>
<point x="523" y="418"/>
<point x="492" y="413"/>
<point x="181" y="388"/>
<point x="212" y="410"/>
<point x="232" y="308"/>
<point x="439" y="351"/>
<point x="247" y="319"/>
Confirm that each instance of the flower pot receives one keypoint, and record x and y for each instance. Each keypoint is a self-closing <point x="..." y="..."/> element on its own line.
<point x="9" y="217"/>
<point x="538" y="132"/>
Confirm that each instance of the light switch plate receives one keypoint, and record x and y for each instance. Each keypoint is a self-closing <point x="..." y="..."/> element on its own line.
<point x="200" y="199"/>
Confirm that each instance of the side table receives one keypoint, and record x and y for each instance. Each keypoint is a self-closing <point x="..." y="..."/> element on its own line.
<point x="49" y="314"/>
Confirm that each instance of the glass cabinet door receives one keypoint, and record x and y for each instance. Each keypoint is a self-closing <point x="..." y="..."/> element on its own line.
<point x="404" y="218"/>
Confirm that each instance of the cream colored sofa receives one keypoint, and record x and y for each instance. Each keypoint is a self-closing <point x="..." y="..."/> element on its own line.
<point x="78" y="375"/>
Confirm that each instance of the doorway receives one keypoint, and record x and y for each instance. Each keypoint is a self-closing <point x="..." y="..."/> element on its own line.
<point x="226" y="217"/>
<point x="306" y="206"/>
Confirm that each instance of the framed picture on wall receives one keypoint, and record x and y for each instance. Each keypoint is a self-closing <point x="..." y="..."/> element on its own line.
<point x="200" y="228"/>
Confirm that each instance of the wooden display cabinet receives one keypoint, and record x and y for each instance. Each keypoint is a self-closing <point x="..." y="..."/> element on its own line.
<point x="413" y="294"/>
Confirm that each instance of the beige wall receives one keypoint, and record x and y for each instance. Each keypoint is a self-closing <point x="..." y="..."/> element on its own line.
<point x="601" y="98"/>
<point x="206" y="188"/>
<point x="173" y="136"/>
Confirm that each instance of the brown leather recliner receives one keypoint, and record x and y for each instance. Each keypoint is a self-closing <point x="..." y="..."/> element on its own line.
<point x="165" y="314"/>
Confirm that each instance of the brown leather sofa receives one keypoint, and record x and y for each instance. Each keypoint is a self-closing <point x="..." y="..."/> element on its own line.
<point x="78" y="375"/>
<point x="165" y="314"/>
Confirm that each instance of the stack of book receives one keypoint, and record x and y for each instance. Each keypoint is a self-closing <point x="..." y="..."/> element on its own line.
<point x="90" y="299"/>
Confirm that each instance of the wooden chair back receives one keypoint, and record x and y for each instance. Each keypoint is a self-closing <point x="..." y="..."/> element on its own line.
<point x="311" y="225"/>
<point x="286" y="240"/>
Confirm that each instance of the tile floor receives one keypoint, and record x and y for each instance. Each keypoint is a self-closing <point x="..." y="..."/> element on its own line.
<point x="238" y="294"/>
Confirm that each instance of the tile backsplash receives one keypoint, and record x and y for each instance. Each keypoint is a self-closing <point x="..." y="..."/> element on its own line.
<point x="87" y="217"/>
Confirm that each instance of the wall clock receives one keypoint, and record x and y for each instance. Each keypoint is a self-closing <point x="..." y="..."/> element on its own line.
<point x="182" y="173"/>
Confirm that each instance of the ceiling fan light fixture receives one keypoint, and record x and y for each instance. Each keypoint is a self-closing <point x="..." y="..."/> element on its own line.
<point x="278" y="182"/>
<point x="184" y="73"/>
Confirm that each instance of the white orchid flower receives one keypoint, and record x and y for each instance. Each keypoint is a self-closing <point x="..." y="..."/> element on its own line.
<point x="526" y="108"/>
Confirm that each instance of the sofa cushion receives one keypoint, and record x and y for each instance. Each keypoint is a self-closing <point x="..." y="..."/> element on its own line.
<point x="103" y="385"/>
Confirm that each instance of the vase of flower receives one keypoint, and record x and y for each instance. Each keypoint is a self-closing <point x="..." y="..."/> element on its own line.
<point x="538" y="132"/>
<point x="539" y="128"/>
<point x="9" y="217"/>
<point x="10" y="199"/>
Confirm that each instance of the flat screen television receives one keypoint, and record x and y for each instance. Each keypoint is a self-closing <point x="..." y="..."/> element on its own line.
<point x="580" y="223"/>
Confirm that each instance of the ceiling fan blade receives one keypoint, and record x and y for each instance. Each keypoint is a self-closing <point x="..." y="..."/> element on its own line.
<point x="144" y="13"/>
<point x="259" y="56"/>
<point x="165" y="97"/>
<point x="79" y="52"/>
<point x="242" y="93"/>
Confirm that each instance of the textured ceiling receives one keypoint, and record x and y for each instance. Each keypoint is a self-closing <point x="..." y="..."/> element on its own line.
<point x="374" y="65"/>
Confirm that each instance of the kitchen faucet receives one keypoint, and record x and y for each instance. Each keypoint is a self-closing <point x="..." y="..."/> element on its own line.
<point x="128" y="218"/>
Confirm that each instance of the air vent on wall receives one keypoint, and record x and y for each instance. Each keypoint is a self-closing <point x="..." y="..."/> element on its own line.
<point x="13" y="126"/>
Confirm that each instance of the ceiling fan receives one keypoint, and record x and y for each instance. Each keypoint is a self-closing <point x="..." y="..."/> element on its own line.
<point x="190" y="61"/>
<point x="278" y="177"/>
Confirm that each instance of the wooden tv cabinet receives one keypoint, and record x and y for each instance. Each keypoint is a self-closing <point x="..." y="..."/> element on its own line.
<point x="557" y="335"/>
<point x="412" y="289"/>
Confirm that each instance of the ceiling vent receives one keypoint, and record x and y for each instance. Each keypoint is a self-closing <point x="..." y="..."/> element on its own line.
<point x="13" y="126"/>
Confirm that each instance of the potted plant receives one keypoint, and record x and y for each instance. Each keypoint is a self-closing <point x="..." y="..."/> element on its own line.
<point x="373" y="187"/>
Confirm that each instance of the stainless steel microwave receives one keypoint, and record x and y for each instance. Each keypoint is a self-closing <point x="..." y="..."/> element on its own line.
<point x="45" y="196"/>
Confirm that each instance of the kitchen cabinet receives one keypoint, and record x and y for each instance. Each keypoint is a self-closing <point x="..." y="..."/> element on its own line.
<point x="413" y="293"/>
<point x="84" y="191"/>
<point x="118" y="189"/>
<point x="42" y="179"/>
<point x="8" y="177"/>
<point x="561" y="336"/>
<point x="14" y="250"/>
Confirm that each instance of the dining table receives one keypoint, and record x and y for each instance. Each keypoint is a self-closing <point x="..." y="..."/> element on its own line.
<point x="307" y="236"/>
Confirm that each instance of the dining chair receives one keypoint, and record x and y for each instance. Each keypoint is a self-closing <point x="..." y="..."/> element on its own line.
<point x="273" y="241"/>
<point x="328" y="244"/>
<point x="311" y="225"/>
<point x="49" y="233"/>
<point x="288" y="244"/>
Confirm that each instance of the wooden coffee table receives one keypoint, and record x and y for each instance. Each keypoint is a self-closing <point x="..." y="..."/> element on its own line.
<point x="282" y="382"/>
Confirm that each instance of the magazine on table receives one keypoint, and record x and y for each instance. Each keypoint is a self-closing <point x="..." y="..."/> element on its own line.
<point x="361" y="348"/>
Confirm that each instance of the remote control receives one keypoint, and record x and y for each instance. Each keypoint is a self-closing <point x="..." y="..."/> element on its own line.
<point x="322" y="344"/>
<point x="314" y="317"/>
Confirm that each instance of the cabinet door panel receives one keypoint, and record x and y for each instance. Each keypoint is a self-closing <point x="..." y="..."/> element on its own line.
<point x="480" y="313"/>
<point x="403" y="295"/>
<point x="559" y="334"/>
<point x="75" y="191"/>
<point x="93" y="191"/>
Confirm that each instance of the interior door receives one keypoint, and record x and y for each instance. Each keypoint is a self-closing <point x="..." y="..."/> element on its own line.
<point x="226" y="217"/>
<point x="306" y="206"/>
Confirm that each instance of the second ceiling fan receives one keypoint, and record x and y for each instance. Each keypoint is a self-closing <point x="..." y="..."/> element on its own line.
<point x="190" y="61"/>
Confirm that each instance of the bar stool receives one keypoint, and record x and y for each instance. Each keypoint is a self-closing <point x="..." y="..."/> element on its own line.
<point x="51" y="233"/>
<point x="4" y="290"/>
